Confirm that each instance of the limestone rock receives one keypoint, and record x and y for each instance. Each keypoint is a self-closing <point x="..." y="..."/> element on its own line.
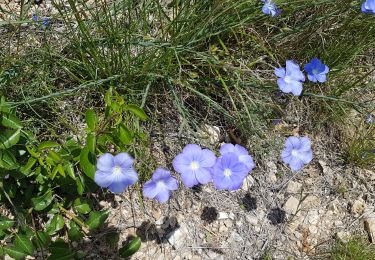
<point x="358" y="206"/>
<point x="291" y="205"/>
<point x="293" y="187"/>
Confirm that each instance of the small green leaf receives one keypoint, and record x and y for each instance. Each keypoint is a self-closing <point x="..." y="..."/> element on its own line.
<point x="124" y="134"/>
<point x="11" y="121"/>
<point x="9" y="138"/>
<point x="69" y="169"/>
<point x="5" y="223"/>
<point x="81" y="206"/>
<point x="91" y="119"/>
<point x="87" y="162"/>
<point x="29" y="165"/>
<point x="47" y="144"/>
<point x="97" y="219"/>
<point x="42" y="239"/>
<point x="54" y="156"/>
<point x="139" y="112"/>
<point x="14" y="252"/>
<point x="7" y="160"/>
<point x="42" y="202"/>
<point x="56" y="224"/>
<point x="130" y="248"/>
<point x="74" y="233"/>
<point x="60" y="251"/>
<point x="23" y="244"/>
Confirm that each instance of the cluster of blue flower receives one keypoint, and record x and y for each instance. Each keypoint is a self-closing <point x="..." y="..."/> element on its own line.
<point x="291" y="77"/>
<point x="270" y="7"/>
<point x="195" y="166"/>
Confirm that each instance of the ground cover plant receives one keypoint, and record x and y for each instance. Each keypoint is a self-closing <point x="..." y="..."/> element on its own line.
<point x="88" y="86"/>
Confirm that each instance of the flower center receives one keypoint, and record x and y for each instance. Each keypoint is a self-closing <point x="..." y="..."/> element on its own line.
<point x="160" y="185"/>
<point x="227" y="172"/>
<point x="287" y="79"/>
<point x="194" y="165"/>
<point x="315" y="71"/>
<point x="116" y="170"/>
<point x="294" y="153"/>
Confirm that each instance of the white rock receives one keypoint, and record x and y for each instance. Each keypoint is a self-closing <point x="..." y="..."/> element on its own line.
<point x="291" y="205"/>
<point x="177" y="238"/>
<point x="252" y="220"/>
<point x="370" y="175"/>
<point x="248" y="182"/>
<point x="293" y="187"/>
<point x="210" y="133"/>
<point x="343" y="236"/>
<point x="223" y="215"/>
<point x="369" y="222"/>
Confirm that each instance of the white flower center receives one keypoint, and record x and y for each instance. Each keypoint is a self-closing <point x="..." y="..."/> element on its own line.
<point x="194" y="165"/>
<point x="287" y="79"/>
<point x="117" y="170"/>
<point x="295" y="153"/>
<point x="227" y="172"/>
<point x="315" y="72"/>
<point x="160" y="185"/>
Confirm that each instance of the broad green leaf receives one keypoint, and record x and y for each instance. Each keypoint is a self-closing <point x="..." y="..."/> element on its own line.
<point x="60" y="251"/>
<point x="7" y="160"/>
<point x="79" y="184"/>
<point x="91" y="119"/>
<point x="28" y="166"/>
<point x="74" y="233"/>
<point x="130" y="248"/>
<point x="97" y="219"/>
<point x="56" y="224"/>
<point x="42" y="202"/>
<point x="87" y="162"/>
<point x="5" y="223"/>
<point x="124" y="134"/>
<point x="91" y="142"/>
<point x="9" y="138"/>
<point x="54" y="156"/>
<point x="81" y="206"/>
<point x="47" y="144"/>
<point x="24" y="244"/>
<point x="139" y="112"/>
<point x="11" y="121"/>
<point x="14" y="252"/>
<point x="42" y="239"/>
<point x="112" y="239"/>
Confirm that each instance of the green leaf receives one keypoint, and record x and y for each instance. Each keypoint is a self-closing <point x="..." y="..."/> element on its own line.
<point x="91" y="119"/>
<point x="56" y="224"/>
<point x="74" y="233"/>
<point x="112" y="239"/>
<point x="97" y="219"/>
<point x="14" y="252"/>
<point x="60" y="251"/>
<point x="87" y="157"/>
<point x="42" y="202"/>
<point x="7" y="160"/>
<point x="81" y="206"/>
<point x="69" y="169"/>
<point x="125" y="135"/>
<point x="42" y="239"/>
<point x="130" y="248"/>
<point x="9" y="138"/>
<point x="11" y="121"/>
<point x="23" y="244"/>
<point x="29" y="165"/>
<point x="5" y="223"/>
<point x="139" y="112"/>
<point x="47" y="144"/>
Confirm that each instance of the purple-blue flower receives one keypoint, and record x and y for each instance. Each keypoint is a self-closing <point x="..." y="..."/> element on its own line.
<point x="290" y="78"/>
<point x="228" y="172"/>
<point x="194" y="165"/>
<point x="297" y="152"/>
<point x="35" y="17"/>
<point x="45" y="21"/>
<point x="368" y="7"/>
<point x="316" y="70"/>
<point x="241" y="153"/>
<point x="115" y="172"/>
<point x="270" y="8"/>
<point x="160" y="185"/>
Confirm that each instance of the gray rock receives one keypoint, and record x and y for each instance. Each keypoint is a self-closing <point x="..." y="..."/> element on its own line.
<point x="291" y="205"/>
<point x="177" y="238"/>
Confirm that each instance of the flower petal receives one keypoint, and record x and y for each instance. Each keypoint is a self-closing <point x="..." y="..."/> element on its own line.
<point x="292" y="142"/>
<point x="203" y="176"/>
<point x="321" y="78"/>
<point x="207" y="158"/>
<point x="188" y="178"/>
<point x="280" y="72"/>
<point x="171" y="183"/>
<point x="248" y="161"/>
<point x="150" y="189"/>
<point x="226" y="148"/>
<point x="163" y="196"/>
<point x="181" y="163"/>
<point x="124" y="160"/>
<point x="160" y="173"/>
<point x="296" y="164"/>
<point x="103" y="178"/>
<point x="105" y="162"/>
<point x="296" y="88"/>
<point x="221" y="181"/>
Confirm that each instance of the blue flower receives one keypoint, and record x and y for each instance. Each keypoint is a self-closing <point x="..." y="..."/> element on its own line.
<point x="270" y="8"/>
<point x="297" y="152"/>
<point x="370" y="119"/>
<point x="316" y="71"/>
<point x="115" y="172"/>
<point x="241" y="153"/>
<point x="290" y="78"/>
<point x="368" y="7"/>
<point x="160" y="185"/>
<point x="229" y="172"/>
<point x="45" y="21"/>
<point x="194" y="165"/>
<point x="35" y="17"/>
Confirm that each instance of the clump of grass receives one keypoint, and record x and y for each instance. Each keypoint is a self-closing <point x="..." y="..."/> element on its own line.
<point x="355" y="249"/>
